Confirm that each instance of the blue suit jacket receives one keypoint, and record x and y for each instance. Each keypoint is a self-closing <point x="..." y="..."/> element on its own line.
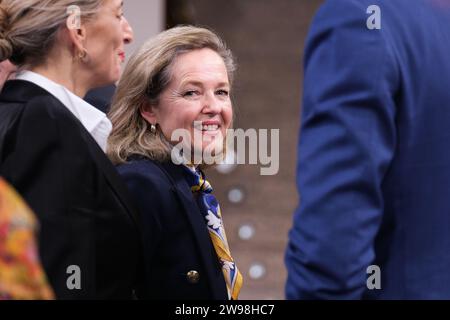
<point x="374" y="154"/>
<point x="175" y="238"/>
<point x="101" y="97"/>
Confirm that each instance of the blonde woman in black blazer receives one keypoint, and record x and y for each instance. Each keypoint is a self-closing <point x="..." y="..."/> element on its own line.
<point x="52" y="142"/>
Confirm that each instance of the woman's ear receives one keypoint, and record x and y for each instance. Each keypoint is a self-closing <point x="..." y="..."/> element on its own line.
<point x="77" y="35"/>
<point x="148" y="112"/>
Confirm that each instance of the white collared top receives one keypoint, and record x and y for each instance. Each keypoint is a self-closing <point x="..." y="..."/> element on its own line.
<point x="95" y="121"/>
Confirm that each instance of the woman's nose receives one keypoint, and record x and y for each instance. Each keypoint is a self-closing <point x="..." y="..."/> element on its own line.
<point x="212" y="104"/>
<point x="128" y="34"/>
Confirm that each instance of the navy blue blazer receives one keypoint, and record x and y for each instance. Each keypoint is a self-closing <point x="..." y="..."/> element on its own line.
<point x="179" y="257"/>
<point x="101" y="97"/>
<point x="374" y="154"/>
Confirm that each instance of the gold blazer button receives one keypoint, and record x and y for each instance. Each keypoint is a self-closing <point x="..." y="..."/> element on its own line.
<point x="193" y="276"/>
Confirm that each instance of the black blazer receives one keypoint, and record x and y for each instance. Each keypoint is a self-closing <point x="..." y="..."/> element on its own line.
<point x="176" y="239"/>
<point x="85" y="217"/>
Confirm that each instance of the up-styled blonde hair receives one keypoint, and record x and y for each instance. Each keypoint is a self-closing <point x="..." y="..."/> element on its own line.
<point x="145" y="77"/>
<point x="29" y="28"/>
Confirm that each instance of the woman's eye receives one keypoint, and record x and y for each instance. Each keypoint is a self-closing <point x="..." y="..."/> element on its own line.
<point x="223" y="93"/>
<point x="190" y="93"/>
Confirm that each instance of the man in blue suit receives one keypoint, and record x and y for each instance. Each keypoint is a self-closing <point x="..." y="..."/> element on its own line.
<point x="374" y="154"/>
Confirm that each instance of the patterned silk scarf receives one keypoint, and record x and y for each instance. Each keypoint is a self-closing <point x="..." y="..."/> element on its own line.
<point x="211" y="211"/>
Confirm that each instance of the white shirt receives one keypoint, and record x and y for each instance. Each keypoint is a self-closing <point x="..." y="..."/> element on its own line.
<point x="95" y="121"/>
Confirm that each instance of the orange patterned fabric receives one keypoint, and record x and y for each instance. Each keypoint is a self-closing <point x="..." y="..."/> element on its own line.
<point x="21" y="274"/>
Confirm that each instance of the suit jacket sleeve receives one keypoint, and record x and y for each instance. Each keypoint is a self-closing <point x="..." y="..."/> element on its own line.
<point x="148" y="192"/>
<point x="146" y="195"/>
<point x="347" y="142"/>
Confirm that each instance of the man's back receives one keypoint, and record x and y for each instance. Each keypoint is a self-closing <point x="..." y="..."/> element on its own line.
<point x="374" y="153"/>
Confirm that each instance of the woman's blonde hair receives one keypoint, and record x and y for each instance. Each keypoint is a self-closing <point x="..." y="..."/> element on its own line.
<point x="29" y="28"/>
<point x="146" y="75"/>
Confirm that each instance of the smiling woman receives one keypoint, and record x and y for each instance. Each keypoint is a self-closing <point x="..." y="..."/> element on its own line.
<point x="52" y="142"/>
<point x="197" y="100"/>
<point x="165" y="87"/>
<point x="180" y="80"/>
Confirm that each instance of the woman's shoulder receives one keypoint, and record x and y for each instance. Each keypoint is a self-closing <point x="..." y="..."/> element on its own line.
<point x="22" y="114"/>
<point x="31" y="100"/>
<point x="37" y="107"/>
<point x="138" y="163"/>
<point x="146" y="180"/>
<point x="144" y="169"/>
